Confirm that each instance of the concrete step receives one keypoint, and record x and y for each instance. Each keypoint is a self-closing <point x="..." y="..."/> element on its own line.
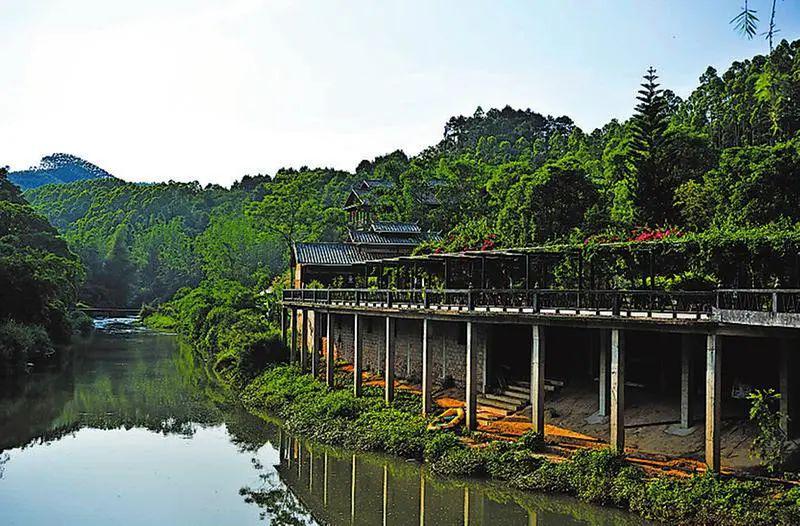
<point x="527" y="387"/>
<point x="502" y="397"/>
<point x="522" y="397"/>
<point x="522" y="389"/>
<point x="498" y="404"/>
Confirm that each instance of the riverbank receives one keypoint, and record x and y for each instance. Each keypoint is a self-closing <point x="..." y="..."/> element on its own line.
<point x="230" y="333"/>
<point x="366" y="423"/>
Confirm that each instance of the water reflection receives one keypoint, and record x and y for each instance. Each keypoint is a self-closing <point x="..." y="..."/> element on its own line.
<point x="136" y="433"/>
<point x="345" y="488"/>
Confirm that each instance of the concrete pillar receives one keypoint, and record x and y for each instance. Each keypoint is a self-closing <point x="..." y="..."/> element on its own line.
<point x="604" y="400"/>
<point x="617" y="390"/>
<point x="356" y="355"/>
<point x="388" y="368"/>
<point x="784" y="387"/>
<point x="304" y="341"/>
<point x="283" y="325"/>
<point x="537" y="378"/>
<point x="427" y="371"/>
<point x="329" y="363"/>
<point x="471" y="379"/>
<point x="316" y="346"/>
<point x="713" y="401"/>
<point x="293" y="333"/>
<point x="687" y="380"/>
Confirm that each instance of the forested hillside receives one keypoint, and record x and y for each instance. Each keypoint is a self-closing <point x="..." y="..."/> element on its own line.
<point x="57" y="168"/>
<point x="724" y="160"/>
<point x="140" y="243"/>
<point x="38" y="280"/>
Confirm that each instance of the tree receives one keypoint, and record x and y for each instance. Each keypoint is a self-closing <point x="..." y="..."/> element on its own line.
<point x="118" y="268"/>
<point x="648" y="126"/>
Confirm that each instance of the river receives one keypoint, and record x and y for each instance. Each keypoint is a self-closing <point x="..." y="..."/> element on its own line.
<point x="125" y="430"/>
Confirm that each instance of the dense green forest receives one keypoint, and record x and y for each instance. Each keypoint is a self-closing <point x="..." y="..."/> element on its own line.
<point x="723" y="161"/>
<point x="39" y="276"/>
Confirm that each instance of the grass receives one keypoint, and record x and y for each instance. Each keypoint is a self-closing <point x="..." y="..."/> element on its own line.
<point x="308" y="408"/>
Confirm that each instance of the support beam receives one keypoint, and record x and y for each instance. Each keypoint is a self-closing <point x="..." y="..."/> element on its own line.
<point x="283" y="325"/>
<point x="617" y="391"/>
<point x="329" y="363"/>
<point x="603" y="380"/>
<point x="316" y="348"/>
<point x="388" y="368"/>
<point x="427" y="371"/>
<point x="304" y="341"/>
<point x="537" y="378"/>
<point x="785" y="376"/>
<point x="356" y="355"/>
<point x="713" y="401"/>
<point x="293" y="336"/>
<point x="687" y="381"/>
<point x="472" y="379"/>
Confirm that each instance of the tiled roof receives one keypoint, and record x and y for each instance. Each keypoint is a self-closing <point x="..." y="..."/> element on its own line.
<point x="327" y="254"/>
<point x="376" y="238"/>
<point x="368" y="184"/>
<point x="395" y="227"/>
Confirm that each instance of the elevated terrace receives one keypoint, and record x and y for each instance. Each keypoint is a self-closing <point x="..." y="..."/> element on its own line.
<point x="481" y="320"/>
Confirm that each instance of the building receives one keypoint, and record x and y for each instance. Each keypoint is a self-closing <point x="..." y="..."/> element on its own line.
<point x="368" y="238"/>
<point x="493" y="325"/>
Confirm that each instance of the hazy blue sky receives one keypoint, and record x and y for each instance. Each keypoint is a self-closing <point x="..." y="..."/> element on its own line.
<point x="212" y="90"/>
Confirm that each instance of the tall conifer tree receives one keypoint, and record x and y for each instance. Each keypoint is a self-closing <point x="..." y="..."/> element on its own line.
<point x="649" y="126"/>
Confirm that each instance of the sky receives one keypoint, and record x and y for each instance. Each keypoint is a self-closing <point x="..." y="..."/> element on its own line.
<point x="204" y="90"/>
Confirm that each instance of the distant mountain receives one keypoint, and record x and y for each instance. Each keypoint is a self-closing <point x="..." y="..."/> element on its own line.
<point x="58" y="168"/>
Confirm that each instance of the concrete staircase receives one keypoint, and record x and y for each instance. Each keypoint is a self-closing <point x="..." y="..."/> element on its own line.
<point x="513" y="398"/>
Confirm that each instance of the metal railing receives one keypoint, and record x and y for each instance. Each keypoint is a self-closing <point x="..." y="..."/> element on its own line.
<point x="760" y="300"/>
<point x="608" y="302"/>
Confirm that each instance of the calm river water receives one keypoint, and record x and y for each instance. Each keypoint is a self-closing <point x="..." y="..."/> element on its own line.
<point x="126" y="431"/>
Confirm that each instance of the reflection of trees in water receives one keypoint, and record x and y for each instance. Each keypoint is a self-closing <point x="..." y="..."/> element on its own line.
<point x="279" y="505"/>
<point x="4" y="457"/>
<point x="111" y="383"/>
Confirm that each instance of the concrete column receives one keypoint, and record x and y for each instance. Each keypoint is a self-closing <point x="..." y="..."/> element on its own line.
<point x="283" y="325"/>
<point x="304" y="341"/>
<point x="713" y="401"/>
<point x="388" y="368"/>
<point x="472" y="379"/>
<point x="356" y="356"/>
<point x="537" y="378"/>
<point x="315" y="348"/>
<point x="617" y="390"/>
<point x="604" y="400"/>
<point x="784" y="387"/>
<point x="427" y="371"/>
<point x="329" y="363"/>
<point x="687" y="381"/>
<point x="293" y="333"/>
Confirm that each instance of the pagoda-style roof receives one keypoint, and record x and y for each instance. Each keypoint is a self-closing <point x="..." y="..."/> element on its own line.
<point x="367" y="237"/>
<point x="360" y="193"/>
<point x="395" y="227"/>
<point x="330" y="254"/>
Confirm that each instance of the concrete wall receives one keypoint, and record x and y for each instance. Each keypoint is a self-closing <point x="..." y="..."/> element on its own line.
<point x="447" y="344"/>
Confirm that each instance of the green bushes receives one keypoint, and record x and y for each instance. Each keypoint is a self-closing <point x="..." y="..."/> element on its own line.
<point x="80" y="322"/>
<point x="21" y="343"/>
<point x="227" y="324"/>
<point x="336" y="416"/>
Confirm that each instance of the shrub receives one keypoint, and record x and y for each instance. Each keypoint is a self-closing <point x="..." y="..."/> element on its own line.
<point x="21" y="343"/>
<point x="771" y="443"/>
<point x="439" y="444"/>
<point x="460" y="462"/>
<point x="80" y="322"/>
